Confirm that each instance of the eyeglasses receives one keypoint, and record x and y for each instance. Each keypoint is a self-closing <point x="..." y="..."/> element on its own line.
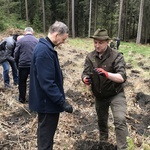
<point x="62" y="37"/>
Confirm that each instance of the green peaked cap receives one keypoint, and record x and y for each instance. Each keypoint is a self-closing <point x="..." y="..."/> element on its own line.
<point x="101" y="34"/>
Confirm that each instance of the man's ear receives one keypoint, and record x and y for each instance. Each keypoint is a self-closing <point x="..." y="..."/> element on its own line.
<point x="56" y="34"/>
<point x="107" y="41"/>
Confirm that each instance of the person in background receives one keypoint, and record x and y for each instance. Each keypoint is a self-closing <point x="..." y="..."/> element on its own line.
<point x="2" y="45"/>
<point x="22" y="54"/>
<point x="112" y="45"/>
<point x="118" y="43"/>
<point x="46" y="93"/>
<point x="104" y="70"/>
<point x="7" y="60"/>
<point x="3" y="54"/>
<point x="19" y="37"/>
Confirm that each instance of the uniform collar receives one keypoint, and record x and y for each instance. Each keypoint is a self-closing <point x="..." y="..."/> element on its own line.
<point x="105" y="54"/>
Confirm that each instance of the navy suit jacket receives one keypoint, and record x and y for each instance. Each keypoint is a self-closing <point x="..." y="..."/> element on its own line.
<point x="46" y="93"/>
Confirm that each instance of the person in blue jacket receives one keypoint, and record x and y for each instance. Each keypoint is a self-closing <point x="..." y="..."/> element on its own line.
<point x="46" y="93"/>
<point x="23" y="54"/>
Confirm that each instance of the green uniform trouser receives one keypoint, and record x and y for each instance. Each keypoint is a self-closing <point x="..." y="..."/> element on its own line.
<point x="118" y="108"/>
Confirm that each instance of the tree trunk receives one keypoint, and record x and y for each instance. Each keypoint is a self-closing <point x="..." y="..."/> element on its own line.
<point x="8" y="7"/>
<point x="126" y="22"/>
<point x="73" y="25"/>
<point x="138" y="39"/>
<point x="120" y="16"/>
<point x="43" y="8"/>
<point x="95" y="16"/>
<point x="68" y="13"/>
<point x="146" y="36"/>
<point x="89" y="33"/>
<point x="27" y="18"/>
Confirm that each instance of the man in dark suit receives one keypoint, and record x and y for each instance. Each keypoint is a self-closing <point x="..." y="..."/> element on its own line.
<point x="23" y="53"/>
<point x="46" y="93"/>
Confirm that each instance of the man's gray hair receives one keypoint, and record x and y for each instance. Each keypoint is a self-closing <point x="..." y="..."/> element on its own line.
<point x="28" y="29"/>
<point x="59" y="27"/>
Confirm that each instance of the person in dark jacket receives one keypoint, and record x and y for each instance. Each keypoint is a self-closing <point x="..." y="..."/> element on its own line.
<point x="3" y="52"/>
<point x="46" y="93"/>
<point x="22" y="54"/>
<point x="6" y="59"/>
<point x="118" y="42"/>
<point x="104" y="70"/>
<point x="112" y="44"/>
<point x="2" y="45"/>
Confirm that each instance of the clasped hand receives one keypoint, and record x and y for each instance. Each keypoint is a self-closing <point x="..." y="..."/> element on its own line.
<point x="101" y="72"/>
<point x="87" y="80"/>
<point x="67" y="107"/>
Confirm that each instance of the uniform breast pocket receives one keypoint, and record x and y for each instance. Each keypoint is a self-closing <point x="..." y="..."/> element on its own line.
<point x="107" y="67"/>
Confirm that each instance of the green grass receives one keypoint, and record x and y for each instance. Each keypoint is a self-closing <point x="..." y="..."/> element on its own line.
<point x="125" y="47"/>
<point x="82" y="43"/>
<point x="136" y="53"/>
<point x="132" y="52"/>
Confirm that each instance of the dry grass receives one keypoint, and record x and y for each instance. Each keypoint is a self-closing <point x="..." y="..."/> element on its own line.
<point x="75" y="131"/>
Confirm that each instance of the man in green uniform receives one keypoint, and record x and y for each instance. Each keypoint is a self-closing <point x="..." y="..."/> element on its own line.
<point x="104" y="71"/>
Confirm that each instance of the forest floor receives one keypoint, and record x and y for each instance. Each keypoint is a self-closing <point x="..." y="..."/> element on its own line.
<point x="79" y="130"/>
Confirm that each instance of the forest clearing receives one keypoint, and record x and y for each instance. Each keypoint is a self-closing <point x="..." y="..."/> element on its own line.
<point x="125" y="20"/>
<point x="79" y="131"/>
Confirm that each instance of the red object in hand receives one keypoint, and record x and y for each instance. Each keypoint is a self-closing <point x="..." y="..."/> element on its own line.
<point x="87" y="80"/>
<point x="102" y="72"/>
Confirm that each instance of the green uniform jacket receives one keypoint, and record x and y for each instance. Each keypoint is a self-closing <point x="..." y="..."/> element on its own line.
<point x="111" y="61"/>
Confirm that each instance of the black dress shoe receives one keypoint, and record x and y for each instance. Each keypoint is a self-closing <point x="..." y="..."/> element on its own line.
<point x="23" y="102"/>
<point x="15" y="83"/>
<point x="7" y="86"/>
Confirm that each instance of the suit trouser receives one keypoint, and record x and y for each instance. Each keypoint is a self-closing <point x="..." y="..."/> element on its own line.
<point x="23" y="76"/>
<point x="47" y="125"/>
<point x="118" y="107"/>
